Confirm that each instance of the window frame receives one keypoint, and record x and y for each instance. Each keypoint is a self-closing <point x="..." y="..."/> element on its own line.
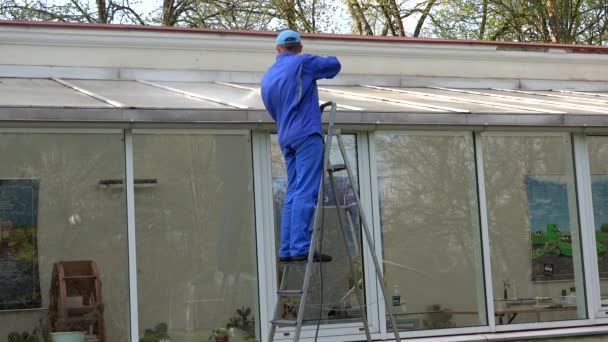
<point x="596" y="312"/>
<point x="583" y="278"/>
<point x="129" y="134"/>
<point x="386" y="331"/>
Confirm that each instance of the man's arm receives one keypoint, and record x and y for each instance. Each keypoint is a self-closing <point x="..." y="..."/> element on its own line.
<point x="323" y="66"/>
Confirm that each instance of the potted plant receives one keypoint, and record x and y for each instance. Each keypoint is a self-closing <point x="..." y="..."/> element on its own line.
<point x="90" y="319"/>
<point x="157" y="334"/>
<point x="24" y="337"/>
<point x="63" y="332"/>
<point x="243" y="323"/>
<point x="221" y="335"/>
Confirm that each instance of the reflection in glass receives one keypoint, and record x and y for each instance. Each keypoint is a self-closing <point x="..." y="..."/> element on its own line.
<point x="533" y="227"/>
<point x="53" y="209"/>
<point x="195" y="235"/>
<point x="430" y="229"/>
<point x="338" y="301"/>
<point x="598" y="163"/>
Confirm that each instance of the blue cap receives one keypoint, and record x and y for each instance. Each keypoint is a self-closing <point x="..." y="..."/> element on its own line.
<point x="288" y="37"/>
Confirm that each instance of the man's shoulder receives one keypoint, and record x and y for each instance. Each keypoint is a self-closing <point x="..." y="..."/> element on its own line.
<point x="270" y="73"/>
<point x="308" y="57"/>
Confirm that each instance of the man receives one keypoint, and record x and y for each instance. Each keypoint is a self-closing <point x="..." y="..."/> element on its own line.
<point x="289" y="92"/>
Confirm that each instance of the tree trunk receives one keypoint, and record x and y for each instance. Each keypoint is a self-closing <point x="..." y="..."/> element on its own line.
<point x="102" y="11"/>
<point x="553" y="22"/>
<point x="287" y="10"/>
<point x="394" y="10"/>
<point x="306" y="23"/>
<point x="359" y="17"/>
<point x="484" y="19"/>
<point x="425" y="13"/>
<point x="168" y="18"/>
<point x="388" y="21"/>
<point x="498" y="34"/>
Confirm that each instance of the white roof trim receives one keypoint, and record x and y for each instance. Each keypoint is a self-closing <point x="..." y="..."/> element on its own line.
<point x="455" y="99"/>
<point x="579" y="93"/>
<point x="257" y="90"/>
<point x="552" y="95"/>
<point x="550" y="103"/>
<point x="89" y="93"/>
<point x="96" y="48"/>
<point x="194" y="95"/>
<point x="394" y="101"/>
<point x="513" y="98"/>
<point x="238" y="86"/>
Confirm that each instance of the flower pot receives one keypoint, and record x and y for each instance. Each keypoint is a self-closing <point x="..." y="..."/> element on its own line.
<point x="68" y="336"/>
<point x="221" y="339"/>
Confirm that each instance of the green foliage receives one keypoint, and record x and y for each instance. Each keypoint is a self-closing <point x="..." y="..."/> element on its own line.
<point x="242" y="321"/>
<point x="93" y="316"/>
<point x="604" y="228"/>
<point x="157" y="334"/>
<point x="557" y="21"/>
<point x="219" y="332"/>
<point x="21" y="244"/>
<point x="24" y="336"/>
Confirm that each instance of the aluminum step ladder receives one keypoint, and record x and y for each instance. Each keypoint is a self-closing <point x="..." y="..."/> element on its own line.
<point x="328" y="171"/>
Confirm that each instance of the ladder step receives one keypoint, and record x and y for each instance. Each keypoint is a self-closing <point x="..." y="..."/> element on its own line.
<point x="297" y="263"/>
<point x="289" y="263"/>
<point x="284" y="323"/>
<point x="336" y="167"/>
<point x="291" y="293"/>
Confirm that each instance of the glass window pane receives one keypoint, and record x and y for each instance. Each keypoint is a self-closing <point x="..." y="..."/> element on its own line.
<point x="196" y="246"/>
<point x="533" y="226"/>
<point x="430" y="229"/>
<point x="598" y="162"/>
<point x="56" y="212"/>
<point x="337" y="303"/>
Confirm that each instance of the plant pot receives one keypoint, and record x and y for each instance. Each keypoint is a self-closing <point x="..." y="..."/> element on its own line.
<point x="221" y="339"/>
<point x="68" y="336"/>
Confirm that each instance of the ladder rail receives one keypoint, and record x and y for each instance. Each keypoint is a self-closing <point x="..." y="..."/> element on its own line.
<point x="317" y="217"/>
<point x="341" y="218"/>
<point x="273" y="327"/>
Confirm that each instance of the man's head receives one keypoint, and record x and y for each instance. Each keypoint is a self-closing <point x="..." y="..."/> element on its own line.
<point x="289" y="41"/>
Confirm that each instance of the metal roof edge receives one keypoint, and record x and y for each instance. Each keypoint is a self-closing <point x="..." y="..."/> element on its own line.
<point x="253" y="118"/>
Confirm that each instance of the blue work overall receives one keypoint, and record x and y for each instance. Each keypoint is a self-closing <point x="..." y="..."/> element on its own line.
<point x="289" y="92"/>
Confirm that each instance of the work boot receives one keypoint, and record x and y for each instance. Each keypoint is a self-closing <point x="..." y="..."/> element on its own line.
<point x="285" y="259"/>
<point x="318" y="257"/>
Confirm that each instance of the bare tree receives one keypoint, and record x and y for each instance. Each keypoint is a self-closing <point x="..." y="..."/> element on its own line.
<point x="359" y="17"/>
<point x="423" y="16"/>
<point x="102" y="11"/>
<point x="556" y="21"/>
<point x="172" y="10"/>
<point x="229" y="14"/>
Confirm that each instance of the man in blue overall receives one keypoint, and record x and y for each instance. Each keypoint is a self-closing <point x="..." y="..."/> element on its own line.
<point x="289" y="92"/>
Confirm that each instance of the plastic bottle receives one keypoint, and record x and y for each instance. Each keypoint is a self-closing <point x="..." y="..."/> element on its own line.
<point x="399" y="305"/>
